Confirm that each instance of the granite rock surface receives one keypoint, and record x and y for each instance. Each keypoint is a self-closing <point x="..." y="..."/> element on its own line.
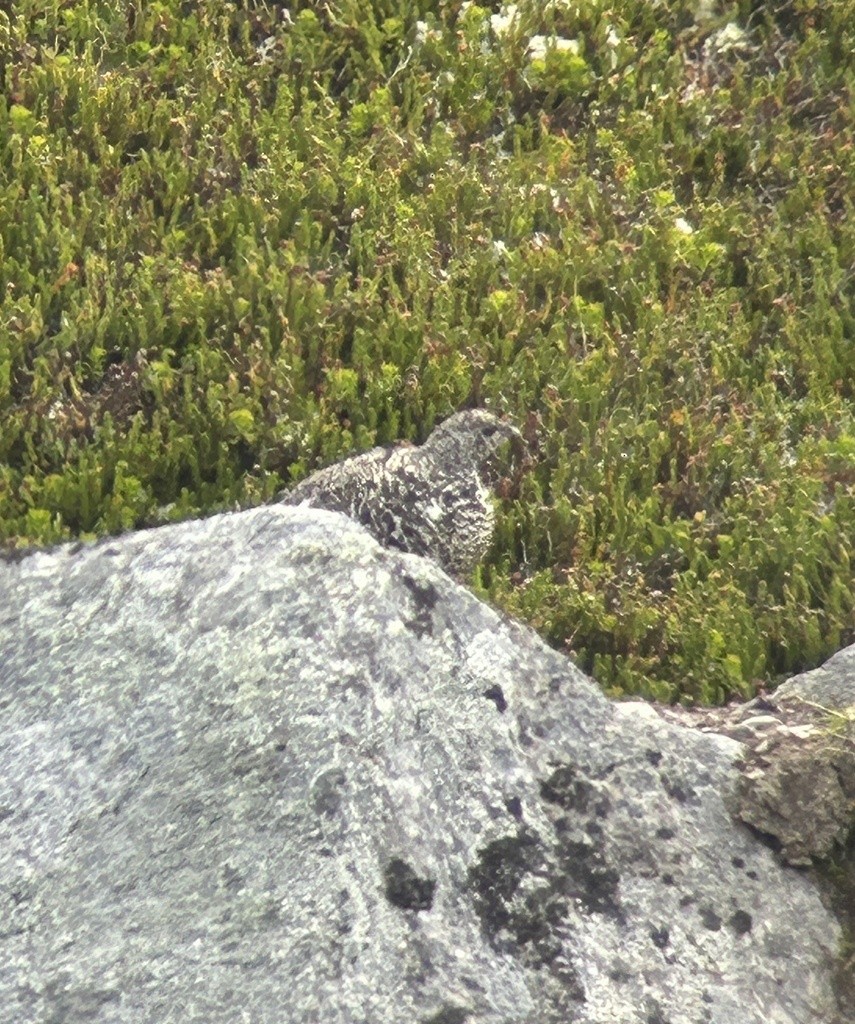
<point x="258" y="768"/>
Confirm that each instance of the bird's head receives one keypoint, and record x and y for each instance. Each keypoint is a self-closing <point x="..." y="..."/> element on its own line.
<point x="473" y="440"/>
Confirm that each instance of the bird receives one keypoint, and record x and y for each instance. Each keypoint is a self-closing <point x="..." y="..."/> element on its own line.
<point x="434" y="500"/>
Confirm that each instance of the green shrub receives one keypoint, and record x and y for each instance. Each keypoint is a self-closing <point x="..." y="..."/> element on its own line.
<point x="237" y="243"/>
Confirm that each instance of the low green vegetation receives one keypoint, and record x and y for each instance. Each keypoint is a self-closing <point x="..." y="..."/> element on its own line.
<point x="240" y="240"/>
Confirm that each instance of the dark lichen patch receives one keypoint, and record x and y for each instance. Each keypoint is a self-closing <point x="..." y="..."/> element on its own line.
<point x="405" y="888"/>
<point x="423" y="598"/>
<point x="498" y="874"/>
<point x="520" y="906"/>
<point x="655" y="1013"/>
<point x="568" y="789"/>
<point x="741" y="922"/>
<point x="514" y="807"/>
<point x="497" y="696"/>
<point x="555" y="684"/>
<point x="449" y="1014"/>
<point x="327" y="792"/>
<point x="660" y="937"/>
<point x="590" y="880"/>
<point x="710" y="920"/>
<point x="678" y="791"/>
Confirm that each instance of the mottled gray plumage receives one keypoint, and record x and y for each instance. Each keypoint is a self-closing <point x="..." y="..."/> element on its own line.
<point x="434" y="500"/>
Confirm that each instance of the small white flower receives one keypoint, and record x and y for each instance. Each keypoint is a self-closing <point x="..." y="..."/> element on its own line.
<point x="424" y="33"/>
<point x="683" y="226"/>
<point x="539" y="45"/>
<point x="503" y="22"/>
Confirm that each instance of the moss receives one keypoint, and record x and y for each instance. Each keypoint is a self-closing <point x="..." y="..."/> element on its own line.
<point x="236" y="245"/>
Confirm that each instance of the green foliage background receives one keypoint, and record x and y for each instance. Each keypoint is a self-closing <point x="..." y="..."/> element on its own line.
<point x="240" y="240"/>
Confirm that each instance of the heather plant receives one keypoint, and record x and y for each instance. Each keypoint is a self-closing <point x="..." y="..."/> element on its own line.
<point x="239" y="241"/>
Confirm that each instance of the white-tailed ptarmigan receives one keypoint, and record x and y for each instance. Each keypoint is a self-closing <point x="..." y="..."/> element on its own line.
<point x="434" y="500"/>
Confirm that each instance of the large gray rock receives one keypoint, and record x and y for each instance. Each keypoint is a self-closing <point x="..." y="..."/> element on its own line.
<point x="258" y="768"/>
<point x="832" y="685"/>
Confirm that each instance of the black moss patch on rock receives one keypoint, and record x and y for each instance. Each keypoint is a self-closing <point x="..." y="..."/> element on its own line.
<point x="405" y="889"/>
